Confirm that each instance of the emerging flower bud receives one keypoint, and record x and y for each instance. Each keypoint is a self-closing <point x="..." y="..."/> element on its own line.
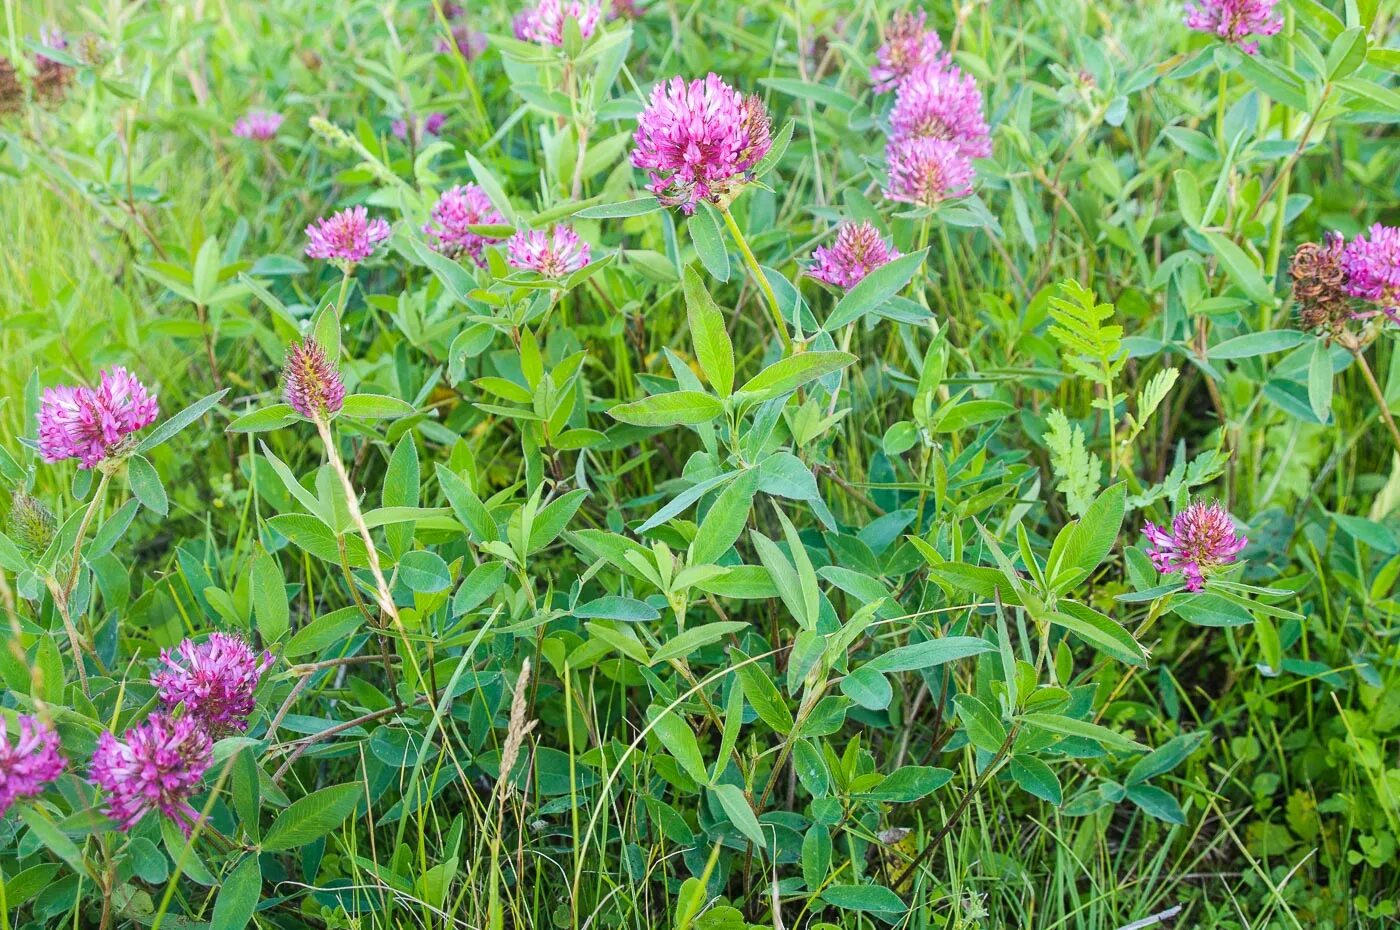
<point x="311" y="382"/>
<point x="30" y="523"/>
<point x="553" y="254"/>
<point x="857" y="251"/>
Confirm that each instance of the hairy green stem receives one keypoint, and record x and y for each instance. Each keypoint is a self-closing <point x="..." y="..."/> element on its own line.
<point x="760" y="278"/>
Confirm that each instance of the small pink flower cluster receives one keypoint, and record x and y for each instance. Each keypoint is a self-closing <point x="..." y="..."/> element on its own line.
<point x="89" y="424"/>
<point x="1372" y="265"/>
<point x="1235" y="21"/>
<point x="346" y="238"/>
<point x="544" y="22"/>
<point x="699" y="139"/>
<point x="1202" y="539"/>
<point x="449" y="227"/>
<point x="555" y="254"/>
<point x="909" y="47"/>
<point x="259" y="125"/>
<point x="30" y="763"/>
<point x="214" y="681"/>
<point x="419" y="126"/>
<point x="466" y="41"/>
<point x="857" y="251"/>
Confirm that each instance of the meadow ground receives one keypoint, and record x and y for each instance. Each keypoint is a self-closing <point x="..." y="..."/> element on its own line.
<point x="938" y="471"/>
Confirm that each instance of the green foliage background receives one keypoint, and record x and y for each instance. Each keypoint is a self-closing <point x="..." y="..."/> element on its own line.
<point x="885" y="607"/>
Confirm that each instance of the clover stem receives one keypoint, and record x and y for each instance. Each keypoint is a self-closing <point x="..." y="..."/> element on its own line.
<point x="760" y="278"/>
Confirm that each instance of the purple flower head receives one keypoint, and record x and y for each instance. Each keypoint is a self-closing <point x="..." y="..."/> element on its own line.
<point x="624" y="9"/>
<point x="157" y="768"/>
<point x="908" y="47"/>
<point x="213" y="680"/>
<point x="466" y="41"/>
<point x="51" y="37"/>
<point x="1202" y="538"/>
<point x="544" y="22"/>
<point x="857" y="251"/>
<point x="261" y="125"/>
<point x="423" y="126"/>
<point x="1372" y="263"/>
<point x="927" y="171"/>
<point x="699" y="138"/>
<point x="30" y="763"/>
<point x="347" y="237"/>
<point x="90" y="423"/>
<point x="1235" y="21"/>
<point x="458" y="209"/>
<point x="938" y="103"/>
<point x="311" y="383"/>
<point x="554" y="254"/>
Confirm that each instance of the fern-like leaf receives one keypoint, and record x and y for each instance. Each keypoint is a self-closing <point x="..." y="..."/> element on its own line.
<point x="1077" y="469"/>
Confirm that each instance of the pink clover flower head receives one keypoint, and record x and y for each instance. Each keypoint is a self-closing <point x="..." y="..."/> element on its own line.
<point x="260" y="125"/>
<point x="544" y="22"/>
<point x="466" y="41"/>
<point x="554" y="254"/>
<point x="90" y="424"/>
<point x="158" y="767"/>
<point x="1235" y="21"/>
<point x="456" y="210"/>
<point x="422" y="126"/>
<point x="29" y="763"/>
<point x="1372" y="265"/>
<point x="927" y="171"/>
<point x="857" y="251"/>
<point x="698" y="139"/>
<point x="346" y="238"/>
<point x="214" y="681"/>
<point x="938" y="103"/>
<point x="311" y="383"/>
<point x="909" y="47"/>
<point x="1202" y="538"/>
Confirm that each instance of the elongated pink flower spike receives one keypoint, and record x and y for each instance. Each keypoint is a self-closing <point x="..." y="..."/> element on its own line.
<point x="1202" y="539"/>
<point x="311" y="383"/>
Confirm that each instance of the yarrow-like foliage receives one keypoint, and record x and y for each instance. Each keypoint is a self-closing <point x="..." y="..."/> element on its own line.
<point x="699" y="138"/>
<point x="544" y="22"/>
<point x="346" y="238"/>
<point x="926" y="171"/>
<point x="1320" y="285"/>
<point x="908" y="47"/>
<point x="260" y="125"/>
<point x="311" y="383"/>
<point x="1372" y="263"/>
<point x="456" y="210"/>
<point x="421" y="126"/>
<point x="942" y="103"/>
<point x="157" y="768"/>
<point x="89" y="424"/>
<point x="857" y="251"/>
<point x="1202" y="538"/>
<point x="1235" y="21"/>
<point x="554" y="254"/>
<point x="29" y="763"/>
<point x="214" y="681"/>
